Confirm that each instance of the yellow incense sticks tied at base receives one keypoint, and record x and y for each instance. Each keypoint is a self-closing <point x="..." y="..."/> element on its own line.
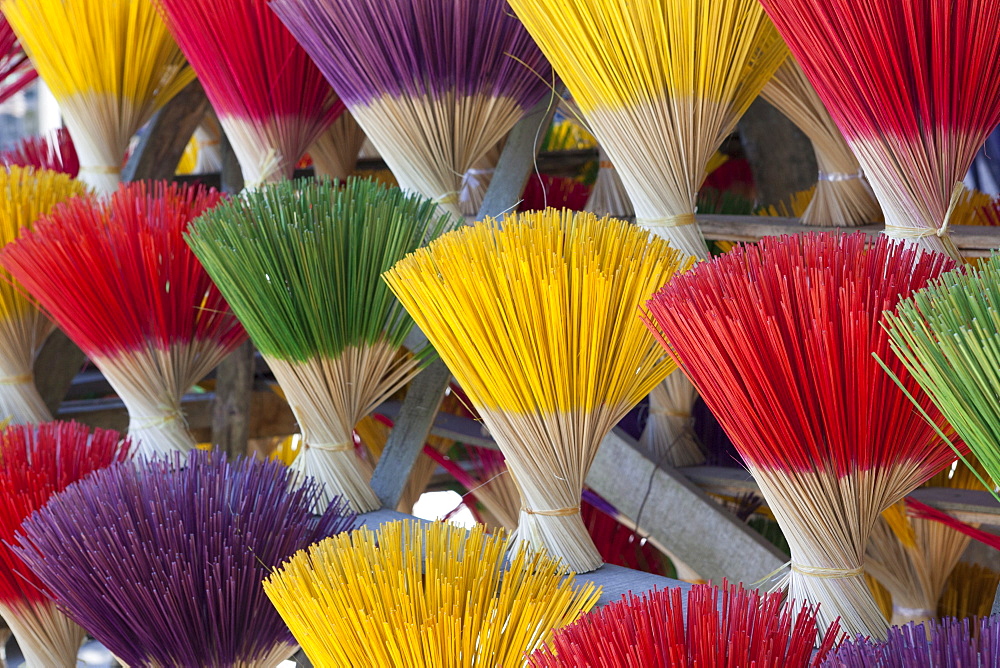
<point x="415" y="596"/>
<point x="539" y="323"/>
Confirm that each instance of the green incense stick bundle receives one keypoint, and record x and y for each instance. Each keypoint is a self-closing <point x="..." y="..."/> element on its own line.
<point x="300" y="263"/>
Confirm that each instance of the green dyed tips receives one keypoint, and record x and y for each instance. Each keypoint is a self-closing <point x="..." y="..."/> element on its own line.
<point x="948" y="336"/>
<point x="300" y="262"/>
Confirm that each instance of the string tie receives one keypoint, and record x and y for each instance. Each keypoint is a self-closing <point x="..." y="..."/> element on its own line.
<point x="898" y="232"/>
<point x="16" y="380"/>
<point x="913" y="613"/>
<point x="100" y="169"/>
<point x="447" y="198"/>
<point x="330" y="447"/>
<point x="668" y="221"/>
<point x="669" y="413"/>
<point x="831" y="573"/>
<point x="605" y="164"/>
<point x="840" y="176"/>
<point x="140" y="423"/>
<point x="560" y="512"/>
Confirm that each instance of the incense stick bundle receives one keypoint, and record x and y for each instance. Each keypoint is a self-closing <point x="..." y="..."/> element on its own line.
<point x="335" y="152"/>
<point x="842" y="198"/>
<point x="661" y="84"/>
<point x="786" y="329"/>
<point x="270" y="98"/>
<point x="723" y="626"/>
<point x="300" y="263"/>
<point x="163" y="564"/>
<point x="38" y="462"/>
<point x="915" y="89"/>
<point x="535" y="320"/>
<point x="26" y="196"/>
<point x="609" y="196"/>
<point x="117" y="277"/>
<point x="949" y="642"/>
<point x="947" y="337"/>
<point x="109" y="63"/>
<point x="54" y="151"/>
<point x="434" y="84"/>
<point x="16" y="70"/>
<point x="435" y="595"/>
<point x="914" y="557"/>
<point x="969" y="592"/>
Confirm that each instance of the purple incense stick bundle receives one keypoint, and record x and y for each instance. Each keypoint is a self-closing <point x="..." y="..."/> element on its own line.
<point x="947" y="643"/>
<point x="434" y="83"/>
<point x="164" y="565"/>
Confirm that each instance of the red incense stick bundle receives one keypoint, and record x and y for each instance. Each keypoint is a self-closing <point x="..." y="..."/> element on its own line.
<point x="16" y="70"/>
<point x="778" y="339"/>
<point x="39" y="461"/>
<point x="54" y="151"/>
<point x="915" y="88"/>
<point x="272" y="101"/>
<point x="725" y="627"/>
<point x="119" y="279"/>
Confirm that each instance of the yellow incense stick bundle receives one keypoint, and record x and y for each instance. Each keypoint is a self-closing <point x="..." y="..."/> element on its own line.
<point x="661" y="84"/>
<point x="538" y="323"/>
<point x="412" y="596"/>
<point x="109" y="63"/>
<point x="27" y="195"/>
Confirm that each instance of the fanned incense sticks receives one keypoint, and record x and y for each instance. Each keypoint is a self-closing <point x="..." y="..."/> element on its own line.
<point x="947" y="337"/>
<point x="434" y="596"/>
<point x="26" y="195"/>
<point x="727" y="626"/>
<point x="434" y="83"/>
<point x="915" y="88"/>
<point x="300" y="263"/>
<point x="16" y="70"/>
<point x="608" y="196"/>
<point x="117" y="277"/>
<point x="163" y="565"/>
<point x="537" y="323"/>
<point x="969" y="643"/>
<point x="842" y="197"/>
<point x="271" y="100"/>
<point x="335" y="152"/>
<point x="37" y="462"/>
<point x="914" y="557"/>
<point x="661" y="84"/>
<point x="54" y="152"/>
<point x="109" y="63"/>
<point x="778" y="339"/>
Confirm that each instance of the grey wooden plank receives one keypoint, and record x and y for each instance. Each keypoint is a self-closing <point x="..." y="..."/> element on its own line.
<point x="677" y="514"/>
<point x="418" y="412"/>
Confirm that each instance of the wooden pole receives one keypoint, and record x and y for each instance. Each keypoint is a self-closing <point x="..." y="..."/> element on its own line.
<point x="234" y="376"/>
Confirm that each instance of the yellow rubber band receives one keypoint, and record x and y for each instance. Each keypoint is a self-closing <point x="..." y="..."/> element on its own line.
<point x="447" y="198"/>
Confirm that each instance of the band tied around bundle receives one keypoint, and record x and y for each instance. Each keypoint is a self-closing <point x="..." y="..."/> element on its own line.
<point x="17" y="380"/>
<point x="605" y="164"/>
<point x="669" y="221"/>
<point x="902" y="232"/>
<point x="329" y="447"/>
<point x="913" y="613"/>
<point x="447" y="199"/>
<point x="559" y="512"/>
<point x="141" y="423"/>
<point x="840" y="176"/>
<point x="99" y="169"/>
<point x="832" y="573"/>
<point x="669" y="413"/>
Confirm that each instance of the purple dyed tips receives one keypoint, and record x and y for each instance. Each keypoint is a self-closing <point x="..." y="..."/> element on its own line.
<point x="164" y="566"/>
<point x="370" y="48"/>
<point x="952" y="643"/>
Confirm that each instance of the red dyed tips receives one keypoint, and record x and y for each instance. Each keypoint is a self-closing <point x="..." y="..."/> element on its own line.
<point x="725" y="627"/>
<point x="36" y="462"/>
<point x="117" y="276"/>
<point x="778" y="338"/>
